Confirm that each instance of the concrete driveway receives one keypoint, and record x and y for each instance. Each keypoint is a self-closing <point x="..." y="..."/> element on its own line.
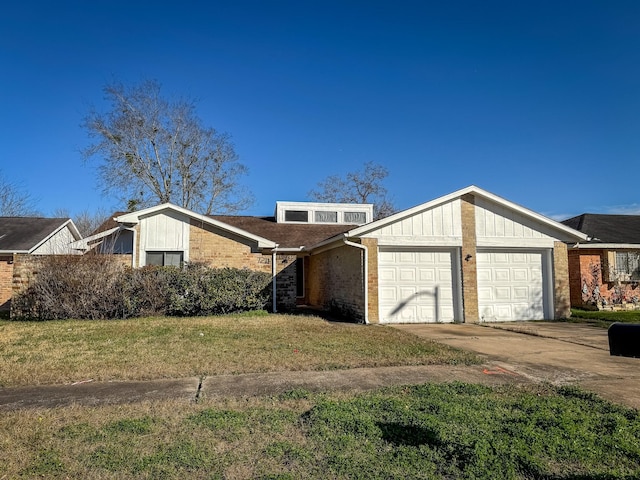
<point x="557" y="353"/>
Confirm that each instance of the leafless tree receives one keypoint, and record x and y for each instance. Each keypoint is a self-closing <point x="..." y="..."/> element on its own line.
<point x="364" y="186"/>
<point x="154" y="151"/>
<point x="86" y="222"/>
<point x="14" y="200"/>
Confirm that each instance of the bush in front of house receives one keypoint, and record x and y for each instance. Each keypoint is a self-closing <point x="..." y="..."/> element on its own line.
<point x="101" y="287"/>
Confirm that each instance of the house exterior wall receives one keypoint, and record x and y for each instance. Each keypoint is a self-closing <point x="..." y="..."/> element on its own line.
<point x="470" y="306"/>
<point x="166" y="231"/>
<point x="6" y="281"/>
<point x="589" y="287"/>
<point x="439" y="226"/>
<point x="335" y="281"/>
<point x="218" y="249"/>
<point x="57" y="244"/>
<point x="562" y="299"/>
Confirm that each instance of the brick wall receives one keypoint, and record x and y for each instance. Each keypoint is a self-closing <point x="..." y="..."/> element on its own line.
<point x="219" y="249"/>
<point x="469" y="265"/>
<point x="585" y="275"/>
<point x="6" y="281"/>
<point x="372" y="281"/>
<point x="562" y="299"/>
<point x="335" y="281"/>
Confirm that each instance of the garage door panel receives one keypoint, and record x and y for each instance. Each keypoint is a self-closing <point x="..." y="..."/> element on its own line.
<point x="510" y="285"/>
<point x="409" y="294"/>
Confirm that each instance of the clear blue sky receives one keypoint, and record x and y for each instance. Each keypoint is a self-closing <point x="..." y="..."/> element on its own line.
<point x="535" y="101"/>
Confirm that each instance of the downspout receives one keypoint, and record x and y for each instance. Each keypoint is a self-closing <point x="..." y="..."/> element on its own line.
<point x="365" y="275"/>
<point x="273" y="276"/>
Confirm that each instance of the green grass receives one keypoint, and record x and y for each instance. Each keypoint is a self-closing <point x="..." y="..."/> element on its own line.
<point x="604" y="318"/>
<point x="426" y="431"/>
<point x="66" y="351"/>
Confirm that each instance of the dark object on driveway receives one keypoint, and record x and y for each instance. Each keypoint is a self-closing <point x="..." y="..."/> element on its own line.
<point x="624" y="339"/>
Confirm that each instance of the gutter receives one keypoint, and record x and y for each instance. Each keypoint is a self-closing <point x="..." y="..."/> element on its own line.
<point x="365" y="276"/>
<point x="274" y="273"/>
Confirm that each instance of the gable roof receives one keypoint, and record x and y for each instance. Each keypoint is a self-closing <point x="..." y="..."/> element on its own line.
<point x="607" y="229"/>
<point x="25" y="234"/>
<point x="286" y="235"/>
<point x="134" y="217"/>
<point x="476" y="192"/>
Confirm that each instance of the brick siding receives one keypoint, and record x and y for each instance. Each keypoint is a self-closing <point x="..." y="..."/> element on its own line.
<point x="6" y="281"/>
<point x="562" y="299"/>
<point x="468" y="261"/>
<point x="335" y="282"/>
<point x="219" y="249"/>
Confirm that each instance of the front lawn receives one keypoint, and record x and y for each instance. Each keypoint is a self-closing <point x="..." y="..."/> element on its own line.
<point x="66" y="351"/>
<point x="426" y="431"/>
<point x="604" y="318"/>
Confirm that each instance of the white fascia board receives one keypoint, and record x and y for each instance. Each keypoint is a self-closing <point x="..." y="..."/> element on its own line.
<point x="472" y="189"/>
<point x="134" y="218"/>
<point x="11" y="252"/>
<point x="607" y="246"/>
<point x="72" y="227"/>
<point x="336" y="238"/>
<point x="84" y="242"/>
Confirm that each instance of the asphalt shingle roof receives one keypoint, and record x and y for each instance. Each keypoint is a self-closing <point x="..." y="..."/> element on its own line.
<point x="286" y="235"/>
<point x="20" y="234"/>
<point x="607" y="228"/>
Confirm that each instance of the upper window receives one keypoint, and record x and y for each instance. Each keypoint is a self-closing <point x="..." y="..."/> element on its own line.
<point x="296" y="216"/>
<point x="627" y="266"/>
<point x="326" y="217"/>
<point x="165" y="259"/>
<point x="355" y="217"/>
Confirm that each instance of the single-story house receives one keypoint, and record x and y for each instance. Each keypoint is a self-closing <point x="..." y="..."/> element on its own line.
<point x="469" y="256"/>
<point x="605" y="270"/>
<point x="34" y="236"/>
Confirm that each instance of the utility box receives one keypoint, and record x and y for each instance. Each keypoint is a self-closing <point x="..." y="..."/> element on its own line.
<point x="624" y="339"/>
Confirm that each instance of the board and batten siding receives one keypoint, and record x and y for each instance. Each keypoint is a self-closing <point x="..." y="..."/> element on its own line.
<point x="58" y="244"/>
<point x="438" y="226"/>
<point x="497" y="226"/>
<point x="166" y="231"/>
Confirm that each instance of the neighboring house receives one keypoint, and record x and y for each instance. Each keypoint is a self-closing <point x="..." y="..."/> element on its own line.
<point x="605" y="270"/>
<point x="468" y="256"/>
<point x="34" y="236"/>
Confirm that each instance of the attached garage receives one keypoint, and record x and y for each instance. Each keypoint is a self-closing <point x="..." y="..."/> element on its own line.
<point x="469" y="256"/>
<point x="417" y="285"/>
<point x="511" y="286"/>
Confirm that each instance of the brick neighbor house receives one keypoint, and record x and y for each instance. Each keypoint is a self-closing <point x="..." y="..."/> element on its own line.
<point x="469" y="256"/>
<point x="31" y="236"/>
<point x="604" y="272"/>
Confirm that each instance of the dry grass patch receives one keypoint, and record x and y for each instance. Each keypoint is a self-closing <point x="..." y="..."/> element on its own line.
<point x="151" y="348"/>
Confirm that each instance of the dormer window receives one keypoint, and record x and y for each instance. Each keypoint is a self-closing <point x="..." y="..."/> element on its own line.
<point x="326" y="217"/>
<point x="296" y="216"/>
<point x="355" y="217"/>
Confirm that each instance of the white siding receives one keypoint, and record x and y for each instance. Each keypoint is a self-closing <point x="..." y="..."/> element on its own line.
<point x="437" y="226"/>
<point x="164" y="231"/>
<point x="58" y="244"/>
<point x="498" y="226"/>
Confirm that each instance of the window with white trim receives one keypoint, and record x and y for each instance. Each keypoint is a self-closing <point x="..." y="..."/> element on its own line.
<point x="165" y="259"/>
<point x="627" y="266"/>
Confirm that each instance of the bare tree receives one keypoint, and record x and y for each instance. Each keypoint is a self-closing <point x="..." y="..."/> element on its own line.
<point x="14" y="200"/>
<point x="363" y="186"/>
<point x="85" y="221"/>
<point x="154" y="150"/>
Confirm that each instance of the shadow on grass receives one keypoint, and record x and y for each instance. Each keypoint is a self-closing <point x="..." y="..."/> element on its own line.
<point x="408" y="435"/>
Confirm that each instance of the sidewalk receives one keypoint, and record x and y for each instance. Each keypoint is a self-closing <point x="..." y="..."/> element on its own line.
<point x="101" y="393"/>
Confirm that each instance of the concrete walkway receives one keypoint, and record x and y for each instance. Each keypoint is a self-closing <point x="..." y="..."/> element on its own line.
<point x="189" y="389"/>
<point x="553" y="352"/>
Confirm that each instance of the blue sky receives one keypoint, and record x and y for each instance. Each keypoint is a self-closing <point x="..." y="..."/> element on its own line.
<point x="535" y="101"/>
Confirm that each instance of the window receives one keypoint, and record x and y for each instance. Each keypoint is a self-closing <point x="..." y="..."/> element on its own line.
<point x="296" y="216"/>
<point x="355" y="217"/>
<point x="627" y="266"/>
<point x="326" y="217"/>
<point x="165" y="259"/>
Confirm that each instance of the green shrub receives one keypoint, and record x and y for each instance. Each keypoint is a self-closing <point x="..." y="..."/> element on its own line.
<point x="100" y="287"/>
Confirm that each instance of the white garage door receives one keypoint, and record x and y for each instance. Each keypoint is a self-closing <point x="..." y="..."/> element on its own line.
<point x="510" y="286"/>
<point x="415" y="286"/>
